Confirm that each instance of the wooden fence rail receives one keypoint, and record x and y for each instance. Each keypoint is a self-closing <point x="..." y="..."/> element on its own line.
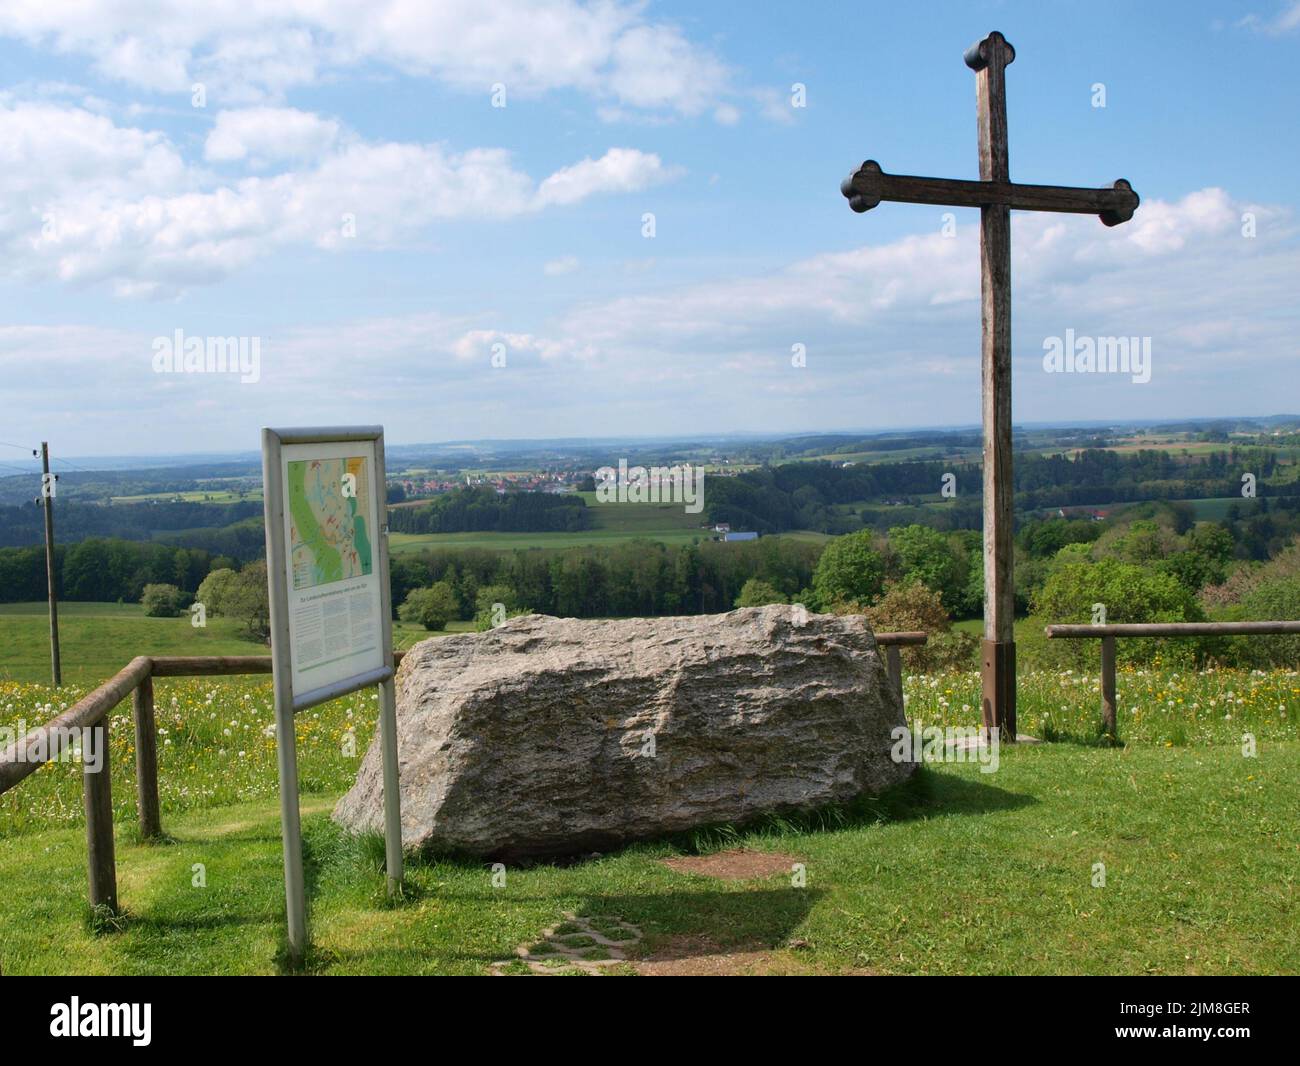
<point x="1107" y="634"/>
<point x="27" y="753"/>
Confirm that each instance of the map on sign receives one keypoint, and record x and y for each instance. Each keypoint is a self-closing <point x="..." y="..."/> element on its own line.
<point x="329" y="501"/>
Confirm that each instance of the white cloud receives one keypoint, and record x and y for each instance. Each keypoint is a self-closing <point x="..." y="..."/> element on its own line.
<point x="566" y="264"/>
<point x="480" y="345"/>
<point x="246" y="51"/>
<point x="263" y="134"/>
<point x="891" y="333"/>
<point x="86" y="201"/>
<point x="774" y="106"/>
<point x="1285" y="20"/>
<point x="618" y="170"/>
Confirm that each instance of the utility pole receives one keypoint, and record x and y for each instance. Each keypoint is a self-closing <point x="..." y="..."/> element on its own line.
<point x="47" y="498"/>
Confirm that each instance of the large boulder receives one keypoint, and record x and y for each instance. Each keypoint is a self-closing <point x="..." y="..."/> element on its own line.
<point x="552" y="736"/>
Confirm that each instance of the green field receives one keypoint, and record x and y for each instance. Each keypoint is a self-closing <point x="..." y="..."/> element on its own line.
<point x="98" y="639"/>
<point x="1216" y="510"/>
<point x="614" y="523"/>
<point x="194" y="496"/>
<point x="406" y="543"/>
<point x="956" y="872"/>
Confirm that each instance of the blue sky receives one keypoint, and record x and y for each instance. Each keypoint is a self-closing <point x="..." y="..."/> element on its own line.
<point x="130" y="214"/>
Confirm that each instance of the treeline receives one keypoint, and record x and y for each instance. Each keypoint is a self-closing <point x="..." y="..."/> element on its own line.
<point x="22" y="524"/>
<point x="637" y="578"/>
<point x="244" y="540"/>
<point x="99" y="570"/>
<point x="801" y="495"/>
<point x="813" y="495"/>
<point x="485" y="510"/>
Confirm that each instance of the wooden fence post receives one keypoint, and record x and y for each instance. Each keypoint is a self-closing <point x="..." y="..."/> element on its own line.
<point x="1108" y="688"/>
<point x="894" y="664"/>
<point x="99" y="822"/>
<point x="146" y="760"/>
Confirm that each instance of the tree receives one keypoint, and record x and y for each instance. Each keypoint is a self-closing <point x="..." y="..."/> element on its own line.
<point x="162" y="601"/>
<point x="494" y="604"/>
<point x="215" y="591"/>
<point x="432" y="608"/>
<point x="249" y="602"/>
<point x="758" y="593"/>
<point x="86" y="572"/>
<point x="926" y="555"/>
<point x="849" y="571"/>
<point x="1145" y="541"/>
<point x="404" y="574"/>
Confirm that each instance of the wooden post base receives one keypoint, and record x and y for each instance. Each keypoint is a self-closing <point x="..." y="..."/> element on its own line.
<point x="998" y="673"/>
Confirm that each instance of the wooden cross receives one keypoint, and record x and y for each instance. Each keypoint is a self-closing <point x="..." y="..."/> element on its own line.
<point x="995" y="195"/>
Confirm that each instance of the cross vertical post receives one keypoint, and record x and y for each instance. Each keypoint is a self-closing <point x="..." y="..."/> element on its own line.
<point x="996" y="196"/>
<point x="989" y="60"/>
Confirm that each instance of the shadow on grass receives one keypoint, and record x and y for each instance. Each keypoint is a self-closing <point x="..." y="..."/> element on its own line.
<point x="151" y="924"/>
<point x="926" y="794"/>
<point x="683" y="924"/>
<point x="680" y="924"/>
<point x="1093" y="735"/>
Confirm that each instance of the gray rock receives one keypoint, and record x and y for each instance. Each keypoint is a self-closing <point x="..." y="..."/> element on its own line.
<point x="554" y="736"/>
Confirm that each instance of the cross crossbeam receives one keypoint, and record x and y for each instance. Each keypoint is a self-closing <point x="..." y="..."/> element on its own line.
<point x="869" y="185"/>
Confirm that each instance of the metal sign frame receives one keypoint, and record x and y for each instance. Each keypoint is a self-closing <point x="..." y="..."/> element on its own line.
<point x="287" y="701"/>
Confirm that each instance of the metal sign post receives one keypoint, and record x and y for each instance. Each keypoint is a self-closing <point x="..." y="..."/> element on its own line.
<point x="331" y="616"/>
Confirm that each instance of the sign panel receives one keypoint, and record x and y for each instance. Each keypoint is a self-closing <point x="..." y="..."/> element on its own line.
<point x="331" y="622"/>
<point x="331" y="531"/>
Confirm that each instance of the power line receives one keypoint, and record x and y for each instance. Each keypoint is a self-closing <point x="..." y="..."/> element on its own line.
<point x="72" y="468"/>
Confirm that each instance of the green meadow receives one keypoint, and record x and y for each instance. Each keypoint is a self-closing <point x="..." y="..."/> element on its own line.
<point x="98" y="639"/>
<point x="1174" y="854"/>
<point x="614" y="523"/>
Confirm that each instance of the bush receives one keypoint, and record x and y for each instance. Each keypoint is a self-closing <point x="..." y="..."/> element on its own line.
<point x="910" y="606"/>
<point x="432" y="608"/>
<point x="162" y="601"/>
<point x="1277" y="601"/>
<point x="1129" y="592"/>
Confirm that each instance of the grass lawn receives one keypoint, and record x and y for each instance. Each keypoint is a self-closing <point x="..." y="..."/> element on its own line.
<point x="958" y="872"/>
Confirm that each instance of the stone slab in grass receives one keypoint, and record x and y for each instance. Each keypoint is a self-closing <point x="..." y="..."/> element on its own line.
<point x="734" y="865"/>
